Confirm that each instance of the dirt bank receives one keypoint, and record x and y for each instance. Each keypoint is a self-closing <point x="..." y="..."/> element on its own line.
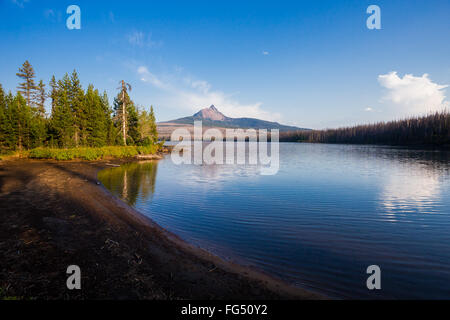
<point x="55" y="214"/>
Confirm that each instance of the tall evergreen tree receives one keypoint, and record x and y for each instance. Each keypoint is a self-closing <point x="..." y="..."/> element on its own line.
<point x="38" y="129"/>
<point x="77" y="103"/>
<point x="41" y="96"/>
<point x="62" y="123"/>
<point x="5" y="129"/>
<point x="97" y="122"/>
<point x="8" y="124"/>
<point x="148" y="133"/>
<point x="132" y="124"/>
<point x="153" y="127"/>
<point x="52" y="94"/>
<point x="112" y="131"/>
<point x="21" y="120"/>
<point x="27" y="87"/>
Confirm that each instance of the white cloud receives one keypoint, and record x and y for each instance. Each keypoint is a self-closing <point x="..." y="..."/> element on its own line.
<point x="53" y="15"/>
<point x="200" y="85"/>
<point x="192" y="95"/>
<point x="48" y="13"/>
<point x="414" y="95"/>
<point x="147" y="76"/>
<point x="196" y="100"/>
<point x="142" y="40"/>
<point x="368" y="109"/>
<point x="20" y="3"/>
<point x="111" y="17"/>
<point x="266" y="53"/>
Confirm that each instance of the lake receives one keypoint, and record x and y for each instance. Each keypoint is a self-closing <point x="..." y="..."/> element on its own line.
<point x="329" y="213"/>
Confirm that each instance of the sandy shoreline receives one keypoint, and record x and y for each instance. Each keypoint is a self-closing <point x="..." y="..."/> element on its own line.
<point x="55" y="214"/>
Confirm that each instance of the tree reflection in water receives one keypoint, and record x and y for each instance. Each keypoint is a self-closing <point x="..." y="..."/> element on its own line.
<point x="131" y="180"/>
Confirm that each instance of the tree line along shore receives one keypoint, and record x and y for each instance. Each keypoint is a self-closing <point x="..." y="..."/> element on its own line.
<point x="429" y="130"/>
<point x="81" y="123"/>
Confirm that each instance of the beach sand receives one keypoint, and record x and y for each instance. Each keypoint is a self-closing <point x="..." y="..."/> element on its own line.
<point x="56" y="214"/>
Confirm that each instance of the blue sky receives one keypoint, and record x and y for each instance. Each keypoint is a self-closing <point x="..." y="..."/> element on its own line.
<point x="310" y="63"/>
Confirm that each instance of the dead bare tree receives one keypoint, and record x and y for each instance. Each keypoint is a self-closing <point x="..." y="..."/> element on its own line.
<point x="124" y="86"/>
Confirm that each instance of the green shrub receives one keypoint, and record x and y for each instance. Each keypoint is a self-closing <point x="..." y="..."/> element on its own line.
<point x="92" y="153"/>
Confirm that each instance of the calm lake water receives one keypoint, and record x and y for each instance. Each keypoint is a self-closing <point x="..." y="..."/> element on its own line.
<point x="329" y="213"/>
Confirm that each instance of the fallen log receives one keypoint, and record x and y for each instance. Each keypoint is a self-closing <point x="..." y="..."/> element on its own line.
<point x="148" y="157"/>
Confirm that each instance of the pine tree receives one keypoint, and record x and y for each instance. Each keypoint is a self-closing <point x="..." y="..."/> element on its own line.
<point x="76" y="100"/>
<point x="38" y="131"/>
<point x="21" y="122"/>
<point x="132" y="124"/>
<point x="148" y="133"/>
<point x="52" y="94"/>
<point x="8" y="123"/>
<point x="5" y="129"/>
<point x="153" y="127"/>
<point x="40" y="98"/>
<point x="28" y="87"/>
<point x="111" y="131"/>
<point x="96" y="125"/>
<point x="61" y="123"/>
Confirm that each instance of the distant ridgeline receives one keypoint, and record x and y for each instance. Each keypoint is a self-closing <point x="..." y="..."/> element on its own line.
<point x="211" y="117"/>
<point x="78" y="118"/>
<point x="433" y="130"/>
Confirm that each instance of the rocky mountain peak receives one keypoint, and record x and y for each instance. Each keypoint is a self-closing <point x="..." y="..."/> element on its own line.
<point x="210" y="113"/>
